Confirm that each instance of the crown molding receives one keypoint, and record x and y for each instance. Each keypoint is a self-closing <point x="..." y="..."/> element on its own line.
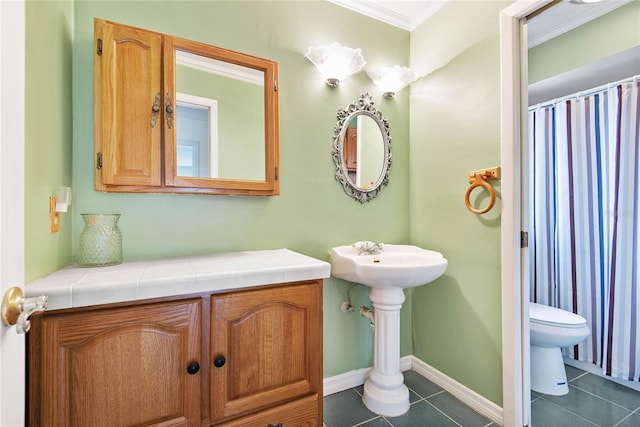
<point x="567" y="16"/>
<point x="401" y="14"/>
<point x="374" y="10"/>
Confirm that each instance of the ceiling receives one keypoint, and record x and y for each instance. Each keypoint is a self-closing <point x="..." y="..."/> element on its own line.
<point x="556" y="20"/>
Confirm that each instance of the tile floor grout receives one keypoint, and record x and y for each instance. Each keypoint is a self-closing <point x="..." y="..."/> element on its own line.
<point x="631" y="411"/>
<point x="438" y="409"/>
<point x="568" y="411"/>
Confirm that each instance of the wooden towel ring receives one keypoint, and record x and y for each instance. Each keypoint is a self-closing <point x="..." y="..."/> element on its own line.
<point x="479" y="181"/>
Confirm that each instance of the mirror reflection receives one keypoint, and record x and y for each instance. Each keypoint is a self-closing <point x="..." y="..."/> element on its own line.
<point x="362" y="150"/>
<point x="220" y="119"/>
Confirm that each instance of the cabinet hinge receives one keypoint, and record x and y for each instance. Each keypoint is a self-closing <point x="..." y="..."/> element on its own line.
<point x="99" y="161"/>
<point x="99" y="47"/>
<point x="276" y="173"/>
<point x="275" y="85"/>
<point x="524" y="239"/>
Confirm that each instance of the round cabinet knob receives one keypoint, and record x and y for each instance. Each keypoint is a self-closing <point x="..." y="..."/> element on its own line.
<point x="193" y="368"/>
<point x="219" y="361"/>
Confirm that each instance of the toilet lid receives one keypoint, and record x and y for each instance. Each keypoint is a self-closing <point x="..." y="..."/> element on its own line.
<point x="546" y="315"/>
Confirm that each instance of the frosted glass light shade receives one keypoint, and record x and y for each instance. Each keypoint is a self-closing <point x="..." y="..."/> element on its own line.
<point x="392" y="79"/>
<point x="335" y="62"/>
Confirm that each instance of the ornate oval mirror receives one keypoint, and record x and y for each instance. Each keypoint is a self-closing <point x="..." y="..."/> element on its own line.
<point x="362" y="149"/>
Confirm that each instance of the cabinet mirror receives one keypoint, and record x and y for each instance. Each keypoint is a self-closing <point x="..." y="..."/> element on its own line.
<point x="362" y="150"/>
<point x="225" y="133"/>
<point x="219" y="119"/>
<point x="179" y="116"/>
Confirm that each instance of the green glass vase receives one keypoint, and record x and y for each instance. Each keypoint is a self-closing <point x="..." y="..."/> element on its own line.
<point x="100" y="241"/>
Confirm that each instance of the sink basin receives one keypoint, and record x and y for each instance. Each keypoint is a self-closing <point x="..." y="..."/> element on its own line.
<point x="401" y="266"/>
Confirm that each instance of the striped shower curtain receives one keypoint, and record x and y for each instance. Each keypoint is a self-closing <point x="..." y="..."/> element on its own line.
<point x="584" y="160"/>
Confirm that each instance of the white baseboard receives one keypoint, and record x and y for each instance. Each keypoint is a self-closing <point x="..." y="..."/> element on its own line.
<point x="469" y="397"/>
<point x="356" y="378"/>
<point x="473" y="400"/>
<point x="342" y="382"/>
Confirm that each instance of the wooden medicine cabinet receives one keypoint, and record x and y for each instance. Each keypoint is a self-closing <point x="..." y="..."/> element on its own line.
<point x="177" y="116"/>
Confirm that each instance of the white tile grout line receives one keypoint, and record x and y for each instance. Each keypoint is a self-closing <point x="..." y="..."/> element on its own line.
<point x="579" y="376"/>
<point x="437" y="409"/>
<point x="602" y="398"/>
<point x="568" y="411"/>
<point x="636" y="412"/>
<point x="622" y="420"/>
<point x="374" y="418"/>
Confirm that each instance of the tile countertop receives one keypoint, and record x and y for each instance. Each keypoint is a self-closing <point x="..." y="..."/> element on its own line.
<point x="75" y="286"/>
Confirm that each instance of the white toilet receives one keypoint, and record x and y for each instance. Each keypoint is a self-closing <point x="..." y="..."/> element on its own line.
<point x="551" y="329"/>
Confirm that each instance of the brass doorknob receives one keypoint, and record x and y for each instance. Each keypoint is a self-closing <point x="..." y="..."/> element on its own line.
<point x="16" y="309"/>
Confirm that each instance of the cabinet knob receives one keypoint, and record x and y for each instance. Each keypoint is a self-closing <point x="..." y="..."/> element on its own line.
<point x="275" y="425"/>
<point x="193" y="368"/>
<point x="219" y="361"/>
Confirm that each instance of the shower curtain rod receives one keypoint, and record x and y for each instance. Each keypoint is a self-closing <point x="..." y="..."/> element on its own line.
<point x="583" y="93"/>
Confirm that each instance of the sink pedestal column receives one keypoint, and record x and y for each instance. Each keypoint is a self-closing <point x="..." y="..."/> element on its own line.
<point x="384" y="391"/>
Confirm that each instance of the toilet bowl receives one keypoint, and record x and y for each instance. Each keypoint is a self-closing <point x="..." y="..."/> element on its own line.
<point x="551" y="329"/>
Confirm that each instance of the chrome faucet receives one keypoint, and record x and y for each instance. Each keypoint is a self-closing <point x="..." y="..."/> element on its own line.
<point x="369" y="248"/>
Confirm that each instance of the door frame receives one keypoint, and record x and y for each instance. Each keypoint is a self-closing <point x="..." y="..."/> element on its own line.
<point x="12" y="244"/>
<point x="515" y="289"/>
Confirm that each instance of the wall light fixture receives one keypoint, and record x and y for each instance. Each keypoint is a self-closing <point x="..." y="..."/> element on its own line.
<point x="335" y="62"/>
<point x="392" y="79"/>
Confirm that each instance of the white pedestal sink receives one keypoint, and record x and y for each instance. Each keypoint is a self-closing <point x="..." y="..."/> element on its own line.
<point x="387" y="273"/>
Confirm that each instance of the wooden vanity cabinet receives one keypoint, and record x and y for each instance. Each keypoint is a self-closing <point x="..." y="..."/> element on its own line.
<point x="135" y="365"/>
<point x="245" y="358"/>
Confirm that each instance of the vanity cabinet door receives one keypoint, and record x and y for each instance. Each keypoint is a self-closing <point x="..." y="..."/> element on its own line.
<point x="266" y="350"/>
<point x="129" y="106"/>
<point x="136" y="365"/>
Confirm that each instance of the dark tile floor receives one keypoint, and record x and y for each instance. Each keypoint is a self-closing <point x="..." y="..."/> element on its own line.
<point x="592" y="401"/>
<point x="430" y="406"/>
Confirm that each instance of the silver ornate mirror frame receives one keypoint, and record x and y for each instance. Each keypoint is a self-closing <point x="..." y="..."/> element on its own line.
<point x="363" y="106"/>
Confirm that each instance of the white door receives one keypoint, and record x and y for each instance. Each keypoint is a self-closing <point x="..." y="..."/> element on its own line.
<point x="12" y="72"/>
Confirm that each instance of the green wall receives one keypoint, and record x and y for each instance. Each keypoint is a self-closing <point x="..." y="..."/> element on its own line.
<point x="612" y="33"/>
<point x="455" y="128"/>
<point x="312" y="214"/>
<point x="48" y="132"/>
